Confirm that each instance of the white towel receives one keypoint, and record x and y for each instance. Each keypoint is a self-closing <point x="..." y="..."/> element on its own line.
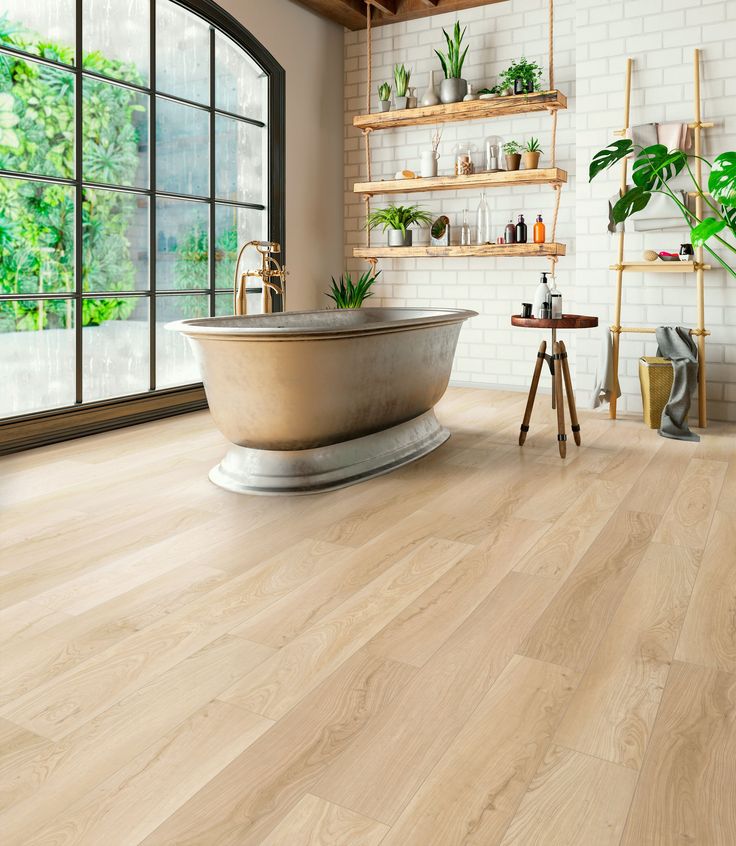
<point x="604" y="376"/>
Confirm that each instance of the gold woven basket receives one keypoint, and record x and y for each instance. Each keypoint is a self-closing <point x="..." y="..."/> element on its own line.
<point x="655" y="376"/>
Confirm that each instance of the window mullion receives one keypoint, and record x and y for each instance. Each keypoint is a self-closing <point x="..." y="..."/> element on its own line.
<point x="78" y="205"/>
<point x="211" y="253"/>
<point x="152" y="203"/>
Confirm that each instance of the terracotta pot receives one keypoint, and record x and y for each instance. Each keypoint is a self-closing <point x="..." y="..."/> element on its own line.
<point x="531" y="161"/>
<point x="513" y="161"/>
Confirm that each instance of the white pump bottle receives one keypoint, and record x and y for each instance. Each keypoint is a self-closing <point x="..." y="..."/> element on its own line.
<point x="541" y="295"/>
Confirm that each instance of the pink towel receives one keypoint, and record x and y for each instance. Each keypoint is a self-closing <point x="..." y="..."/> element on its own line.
<point x="675" y="136"/>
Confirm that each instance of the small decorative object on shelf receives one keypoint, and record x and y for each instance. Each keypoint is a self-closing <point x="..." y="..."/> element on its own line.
<point x="665" y="256"/>
<point x="465" y="237"/>
<point x="401" y="80"/>
<point x="494" y="152"/>
<point x="540" y="233"/>
<point x="439" y="234"/>
<point x="411" y="100"/>
<point x="512" y="151"/>
<point x="464" y="160"/>
<point x="396" y="220"/>
<point x="483" y="221"/>
<point x="453" y="87"/>
<point x="650" y="255"/>
<point x="405" y="174"/>
<point x="521" y="77"/>
<point x="470" y="96"/>
<point x="526" y="309"/>
<point x="488" y="93"/>
<point x="384" y="96"/>
<point x="686" y="252"/>
<point x="430" y="96"/>
<point x="510" y="233"/>
<point x="532" y="152"/>
<point x="431" y="157"/>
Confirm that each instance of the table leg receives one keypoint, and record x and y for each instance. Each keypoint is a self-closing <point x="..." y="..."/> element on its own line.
<point x="574" y="424"/>
<point x="557" y="389"/>
<point x="552" y="365"/>
<point x="532" y="392"/>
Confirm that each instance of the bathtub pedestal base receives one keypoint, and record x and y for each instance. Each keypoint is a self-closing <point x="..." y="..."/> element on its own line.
<point x="261" y="471"/>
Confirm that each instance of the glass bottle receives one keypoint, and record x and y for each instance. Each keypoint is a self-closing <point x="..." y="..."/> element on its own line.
<point x="540" y="232"/>
<point x="510" y="234"/>
<point x="483" y="221"/>
<point x="521" y="233"/>
<point x="465" y="240"/>
<point x="493" y="153"/>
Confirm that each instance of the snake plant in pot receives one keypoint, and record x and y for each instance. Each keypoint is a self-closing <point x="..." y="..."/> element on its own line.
<point x="397" y="220"/>
<point x="402" y="75"/>
<point x="453" y="87"/>
<point x="349" y="294"/>
<point x="654" y="168"/>
<point x="384" y="96"/>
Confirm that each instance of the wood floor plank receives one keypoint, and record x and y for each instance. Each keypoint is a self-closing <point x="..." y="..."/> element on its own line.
<point x="252" y="795"/>
<point x="573" y="800"/>
<point x="687" y="519"/>
<point x="158" y="781"/>
<point x="27" y="619"/>
<point x="709" y="632"/>
<point x="470" y="797"/>
<point x="612" y="714"/>
<point x="425" y="718"/>
<point x="314" y="822"/>
<point x="569" y="630"/>
<point x="42" y="778"/>
<point x="280" y="682"/>
<point x="684" y="794"/>
<point x="661" y="476"/>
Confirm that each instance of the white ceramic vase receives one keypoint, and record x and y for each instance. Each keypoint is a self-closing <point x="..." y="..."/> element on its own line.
<point x="429" y="163"/>
<point x="430" y="96"/>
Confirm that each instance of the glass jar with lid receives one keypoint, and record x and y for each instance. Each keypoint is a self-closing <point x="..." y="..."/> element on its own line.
<point x="494" y="153"/>
<point x="464" y="164"/>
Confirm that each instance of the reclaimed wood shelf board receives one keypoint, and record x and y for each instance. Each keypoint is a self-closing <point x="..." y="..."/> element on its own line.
<point x="567" y="321"/>
<point x="517" y="104"/>
<point x="481" y="251"/>
<point x="540" y="176"/>
<point x="660" y="266"/>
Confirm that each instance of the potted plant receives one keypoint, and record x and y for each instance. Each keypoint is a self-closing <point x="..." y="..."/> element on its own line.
<point x="384" y="96"/>
<point x="453" y="87"/>
<point x="347" y="294"/>
<point x="401" y="80"/>
<point x="531" y="154"/>
<point x="512" y="151"/>
<point x="522" y="77"/>
<point x="397" y="220"/>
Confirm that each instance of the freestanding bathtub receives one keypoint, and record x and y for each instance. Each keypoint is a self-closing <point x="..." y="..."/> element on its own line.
<point x="317" y="400"/>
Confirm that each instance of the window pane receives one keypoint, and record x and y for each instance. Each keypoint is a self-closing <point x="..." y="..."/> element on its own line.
<point x="182" y="53"/>
<point x="115" y="238"/>
<point x="241" y="86"/>
<point x="37" y="353"/>
<point x="116" y="38"/>
<point x="182" y="149"/>
<point x="182" y="245"/>
<point x="235" y="226"/>
<point x="175" y="364"/>
<point x="44" y="29"/>
<point x="224" y="304"/>
<point x="36" y="118"/>
<point x="240" y="152"/>
<point x="36" y="237"/>
<point x="115" y="134"/>
<point x="116" y="344"/>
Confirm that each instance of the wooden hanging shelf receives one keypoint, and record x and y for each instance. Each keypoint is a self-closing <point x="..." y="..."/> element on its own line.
<point x="660" y="266"/>
<point x="540" y="176"/>
<point x="480" y="251"/>
<point x="517" y="104"/>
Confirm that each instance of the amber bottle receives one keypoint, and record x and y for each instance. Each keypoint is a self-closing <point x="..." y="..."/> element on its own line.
<point x="539" y="231"/>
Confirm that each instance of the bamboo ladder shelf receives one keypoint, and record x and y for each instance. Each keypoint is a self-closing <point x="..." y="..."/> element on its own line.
<point x="698" y="267"/>
<point x="550" y="101"/>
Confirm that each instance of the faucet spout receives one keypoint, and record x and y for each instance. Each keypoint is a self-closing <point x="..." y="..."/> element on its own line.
<point x="269" y="271"/>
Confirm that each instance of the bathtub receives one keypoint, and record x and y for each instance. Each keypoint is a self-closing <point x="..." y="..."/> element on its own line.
<point x="317" y="400"/>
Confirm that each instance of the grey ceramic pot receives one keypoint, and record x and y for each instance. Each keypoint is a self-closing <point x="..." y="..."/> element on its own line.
<point x="385" y="105"/>
<point x="400" y="102"/>
<point x="396" y="238"/>
<point x="453" y="90"/>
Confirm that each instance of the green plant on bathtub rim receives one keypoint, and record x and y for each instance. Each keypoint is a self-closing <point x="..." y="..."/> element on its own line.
<point x="347" y="294"/>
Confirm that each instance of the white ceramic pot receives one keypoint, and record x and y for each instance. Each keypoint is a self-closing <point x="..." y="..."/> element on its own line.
<point x="396" y="238"/>
<point x="429" y="163"/>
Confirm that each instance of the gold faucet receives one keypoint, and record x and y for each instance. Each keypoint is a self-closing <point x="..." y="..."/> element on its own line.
<point x="269" y="271"/>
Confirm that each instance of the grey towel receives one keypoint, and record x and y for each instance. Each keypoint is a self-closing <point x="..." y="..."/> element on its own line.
<point x="676" y="344"/>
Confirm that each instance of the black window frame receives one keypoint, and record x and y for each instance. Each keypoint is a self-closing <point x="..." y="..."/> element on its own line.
<point x="48" y="426"/>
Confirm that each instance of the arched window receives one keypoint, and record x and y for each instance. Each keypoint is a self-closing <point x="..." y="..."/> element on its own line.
<point x="140" y="142"/>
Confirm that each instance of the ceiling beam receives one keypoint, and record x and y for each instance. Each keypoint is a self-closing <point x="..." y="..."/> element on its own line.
<point x="430" y="2"/>
<point x="388" y="7"/>
<point x="347" y="13"/>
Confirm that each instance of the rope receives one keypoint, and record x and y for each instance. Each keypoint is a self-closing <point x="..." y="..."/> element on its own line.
<point x="551" y="41"/>
<point x="554" y="137"/>
<point x="368" y="47"/>
<point x="558" y="194"/>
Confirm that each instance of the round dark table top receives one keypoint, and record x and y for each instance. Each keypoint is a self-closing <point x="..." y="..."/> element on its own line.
<point x="567" y="321"/>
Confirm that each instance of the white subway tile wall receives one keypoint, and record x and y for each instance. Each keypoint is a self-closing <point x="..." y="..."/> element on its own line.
<point x="592" y="41"/>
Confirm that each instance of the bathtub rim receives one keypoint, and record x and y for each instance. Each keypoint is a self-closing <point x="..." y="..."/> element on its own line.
<point x="202" y="328"/>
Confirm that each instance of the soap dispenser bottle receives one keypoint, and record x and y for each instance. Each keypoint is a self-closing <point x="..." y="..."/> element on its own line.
<point x="555" y="300"/>
<point x="541" y="296"/>
<point x="521" y="231"/>
<point x="510" y="232"/>
<point x="539" y="231"/>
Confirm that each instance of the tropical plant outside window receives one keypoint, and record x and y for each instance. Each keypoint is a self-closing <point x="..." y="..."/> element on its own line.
<point x="126" y="184"/>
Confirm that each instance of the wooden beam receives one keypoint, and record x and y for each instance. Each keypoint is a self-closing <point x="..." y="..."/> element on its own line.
<point x="430" y="2"/>
<point x="347" y="13"/>
<point x="388" y="7"/>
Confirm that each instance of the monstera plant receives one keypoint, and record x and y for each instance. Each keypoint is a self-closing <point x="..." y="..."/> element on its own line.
<point x="655" y="167"/>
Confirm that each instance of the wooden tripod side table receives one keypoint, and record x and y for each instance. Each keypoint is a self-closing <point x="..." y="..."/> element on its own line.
<point x="559" y="371"/>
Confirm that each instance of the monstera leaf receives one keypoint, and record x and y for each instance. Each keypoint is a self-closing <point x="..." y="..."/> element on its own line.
<point x="655" y="165"/>
<point x="722" y="179"/>
<point x="706" y="229"/>
<point x="613" y="153"/>
<point x="632" y="201"/>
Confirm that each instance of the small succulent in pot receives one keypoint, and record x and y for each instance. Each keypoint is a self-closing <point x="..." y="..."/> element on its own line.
<point x="347" y="294"/>
<point x="397" y="220"/>
<point x="384" y="96"/>
<point x="453" y="87"/>
<point x="522" y="76"/>
<point x="531" y="154"/>
<point x="402" y="75"/>
<point x="512" y="152"/>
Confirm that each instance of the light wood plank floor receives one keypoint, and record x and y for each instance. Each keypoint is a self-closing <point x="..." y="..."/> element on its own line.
<point x="489" y="646"/>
